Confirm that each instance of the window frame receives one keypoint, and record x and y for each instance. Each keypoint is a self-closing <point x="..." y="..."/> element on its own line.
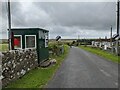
<point x="35" y="42"/>
<point x="20" y="41"/>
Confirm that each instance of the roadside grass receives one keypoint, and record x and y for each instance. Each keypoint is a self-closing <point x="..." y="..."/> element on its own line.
<point x="97" y="51"/>
<point x="3" y="47"/>
<point x="39" y="77"/>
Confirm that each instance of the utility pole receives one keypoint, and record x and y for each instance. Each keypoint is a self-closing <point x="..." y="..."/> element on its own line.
<point x="78" y="37"/>
<point x="111" y="37"/>
<point x="111" y="40"/>
<point x="78" y="41"/>
<point x="118" y="17"/>
<point x="9" y="25"/>
<point x="117" y="41"/>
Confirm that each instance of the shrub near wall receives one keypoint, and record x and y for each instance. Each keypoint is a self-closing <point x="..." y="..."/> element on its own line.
<point x="56" y="49"/>
<point x="16" y="63"/>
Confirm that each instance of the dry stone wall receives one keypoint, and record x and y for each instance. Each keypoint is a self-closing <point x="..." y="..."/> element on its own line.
<point x="17" y="63"/>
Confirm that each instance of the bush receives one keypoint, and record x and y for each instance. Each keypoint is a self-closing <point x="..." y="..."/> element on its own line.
<point x="56" y="48"/>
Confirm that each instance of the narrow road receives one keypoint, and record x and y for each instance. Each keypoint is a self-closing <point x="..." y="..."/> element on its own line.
<point x="82" y="69"/>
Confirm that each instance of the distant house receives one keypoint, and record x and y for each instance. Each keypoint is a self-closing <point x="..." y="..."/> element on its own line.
<point x="3" y="41"/>
<point x="102" y="43"/>
<point x="106" y="44"/>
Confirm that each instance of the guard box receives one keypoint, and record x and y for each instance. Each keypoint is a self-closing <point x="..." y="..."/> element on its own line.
<point x="32" y="38"/>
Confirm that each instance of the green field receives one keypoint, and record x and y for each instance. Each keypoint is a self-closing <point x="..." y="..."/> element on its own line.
<point x="97" y="51"/>
<point x="3" y="47"/>
<point x="39" y="77"/>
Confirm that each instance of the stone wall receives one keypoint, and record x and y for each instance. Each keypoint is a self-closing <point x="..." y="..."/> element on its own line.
<point x="17" y="63"/>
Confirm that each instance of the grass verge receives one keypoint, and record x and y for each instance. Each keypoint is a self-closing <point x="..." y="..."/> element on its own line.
<point x="39" y="77"/>
<point x="3" y="47"/>
<point x="107" y="55"/>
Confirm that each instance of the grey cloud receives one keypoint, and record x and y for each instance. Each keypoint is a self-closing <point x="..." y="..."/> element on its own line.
<point x="65" y="19"/>
<point x="85" y="15"/>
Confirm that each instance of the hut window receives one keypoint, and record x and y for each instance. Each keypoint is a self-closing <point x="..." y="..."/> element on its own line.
<point x="41" y="35"/>
<point x="30" y="41"/>
<point x="46" y="39"/>
<point x="18" y="41"/>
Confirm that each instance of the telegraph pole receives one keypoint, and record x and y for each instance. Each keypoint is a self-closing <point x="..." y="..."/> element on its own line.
<point x="111" y="37"/>
<point x="118" y="17"/>
<point x="9" y="25"/>
<point x="117" y="41"/>
<point x="78" y="37"/>
<point x="78" y="41"/>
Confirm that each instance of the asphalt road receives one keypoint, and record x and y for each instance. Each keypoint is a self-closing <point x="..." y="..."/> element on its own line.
<point x="82" y="69"/>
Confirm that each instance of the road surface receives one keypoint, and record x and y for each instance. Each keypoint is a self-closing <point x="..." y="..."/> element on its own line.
<point x="82" y="69"/>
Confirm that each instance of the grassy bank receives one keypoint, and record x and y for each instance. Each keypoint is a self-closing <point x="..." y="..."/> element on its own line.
<point x="39" y="77"/>
<point x="3" y="47"/>
<point x="102" y="53"/>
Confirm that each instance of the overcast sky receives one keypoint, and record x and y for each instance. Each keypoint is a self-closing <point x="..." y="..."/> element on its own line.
<point x="67" y="19"/>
